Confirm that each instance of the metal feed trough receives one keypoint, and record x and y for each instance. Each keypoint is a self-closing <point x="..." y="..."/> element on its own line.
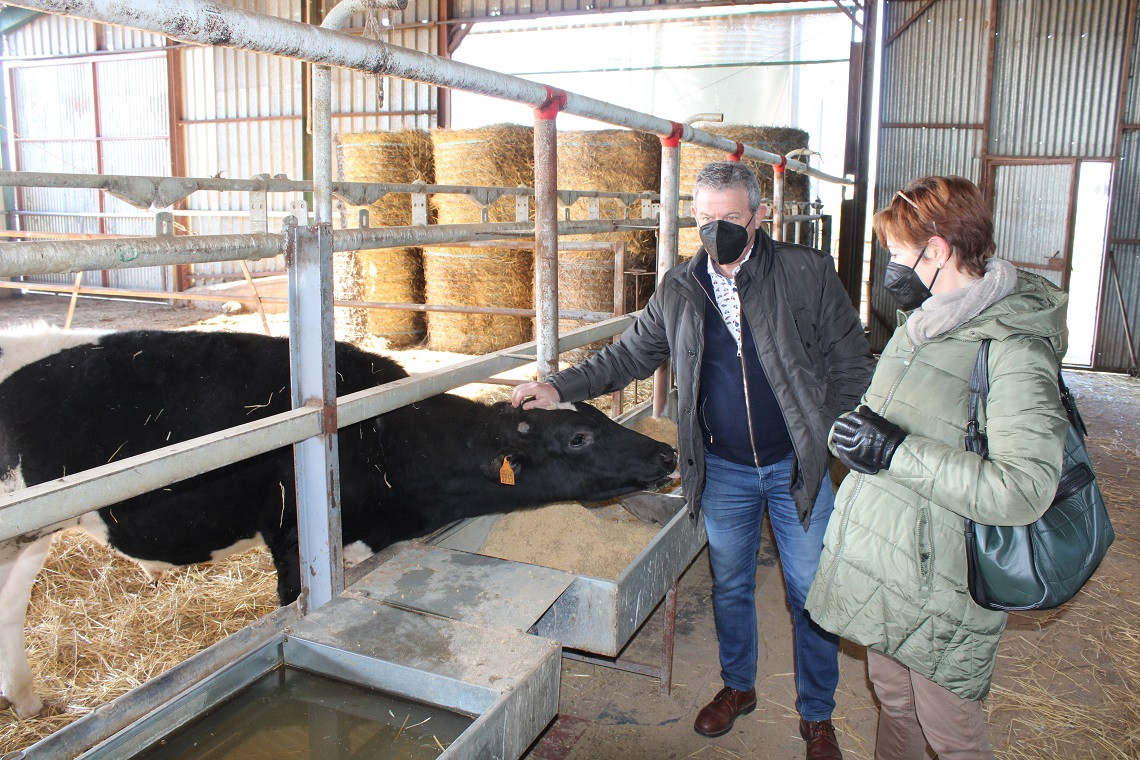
<point x="506" y="681"/>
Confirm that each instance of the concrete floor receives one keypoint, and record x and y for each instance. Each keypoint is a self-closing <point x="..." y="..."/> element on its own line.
<point x="607" y="713"/>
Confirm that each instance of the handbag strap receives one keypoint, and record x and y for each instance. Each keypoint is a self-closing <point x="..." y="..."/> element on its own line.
<point x="976" y="440"/>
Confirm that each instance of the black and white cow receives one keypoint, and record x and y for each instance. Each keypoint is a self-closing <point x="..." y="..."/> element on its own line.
<point x="73" y="401"/>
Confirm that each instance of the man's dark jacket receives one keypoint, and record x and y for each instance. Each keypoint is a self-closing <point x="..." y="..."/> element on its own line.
<point x="809" y="341"/>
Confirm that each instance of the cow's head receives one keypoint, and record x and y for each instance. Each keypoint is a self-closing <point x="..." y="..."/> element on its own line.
<point x="574" y="452"/>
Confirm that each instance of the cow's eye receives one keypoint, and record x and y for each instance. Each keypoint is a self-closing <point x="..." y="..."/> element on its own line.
<point x="580" y="440"/>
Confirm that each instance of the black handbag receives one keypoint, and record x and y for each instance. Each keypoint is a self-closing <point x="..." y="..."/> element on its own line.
<point x="1043" y="564"/>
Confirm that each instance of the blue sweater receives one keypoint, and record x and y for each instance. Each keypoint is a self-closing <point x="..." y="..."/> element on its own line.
<point x="721" y="400"/>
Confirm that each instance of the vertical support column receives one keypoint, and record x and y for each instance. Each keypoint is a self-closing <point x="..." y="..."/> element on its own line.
<point x="313" y="363"/>
<point x="546" y="231"/>
<point x="667" y="239"/>
<point x="322" y="144"/>
<point x="778" y="200"/>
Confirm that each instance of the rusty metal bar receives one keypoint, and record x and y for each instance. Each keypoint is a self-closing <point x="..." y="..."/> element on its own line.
<point x="546" y="235"/>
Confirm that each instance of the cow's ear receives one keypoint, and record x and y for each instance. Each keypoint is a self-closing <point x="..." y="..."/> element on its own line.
<point x="503" y="468"/>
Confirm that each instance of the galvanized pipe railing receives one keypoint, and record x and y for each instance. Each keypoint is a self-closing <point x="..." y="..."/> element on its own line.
<point x="69" y="256"/>
<point x="210" y="24"/>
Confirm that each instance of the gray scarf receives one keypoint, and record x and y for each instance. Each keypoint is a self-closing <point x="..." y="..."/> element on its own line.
<point x="943" y="312"/>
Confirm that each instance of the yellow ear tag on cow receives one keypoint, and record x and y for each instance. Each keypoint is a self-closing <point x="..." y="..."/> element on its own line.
<point x="506" y="474"/>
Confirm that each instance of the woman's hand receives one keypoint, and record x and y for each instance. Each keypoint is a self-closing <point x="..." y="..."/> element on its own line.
<point x="866" y="441"/>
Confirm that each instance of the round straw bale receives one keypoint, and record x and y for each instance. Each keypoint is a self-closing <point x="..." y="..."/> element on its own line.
<point x="386" y="275"/>
<point x="501" y="155"/>
<point x="585" y="281"/>
<point x="499" y="277"/>
<point x="610" y="160"/>
<point x="496" y="156"/>
<point x="779" y="140"/>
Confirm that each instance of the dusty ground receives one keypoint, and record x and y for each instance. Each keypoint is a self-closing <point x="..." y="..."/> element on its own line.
<point x="1068" y="681"/>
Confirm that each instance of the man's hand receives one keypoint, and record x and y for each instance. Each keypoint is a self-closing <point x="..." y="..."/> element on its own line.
<point x="533" y="395"/>
<point x="866" y="441"/>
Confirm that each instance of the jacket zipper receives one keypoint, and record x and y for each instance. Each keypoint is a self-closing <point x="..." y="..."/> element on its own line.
<point x="860" y="480"/>
<point x="743" y="377"/>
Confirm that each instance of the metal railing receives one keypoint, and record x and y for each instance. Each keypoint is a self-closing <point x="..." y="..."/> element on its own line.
<point x="308" y="252"/>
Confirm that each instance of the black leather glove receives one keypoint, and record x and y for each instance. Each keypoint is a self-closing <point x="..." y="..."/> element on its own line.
<point x="866" y="441"/>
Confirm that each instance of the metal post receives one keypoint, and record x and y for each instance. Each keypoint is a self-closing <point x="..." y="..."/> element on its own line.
<point x="667" y="240"/>
<point x="778" y="201"/>
<point x="546" y="232"/>
<point x="313" y="362"/>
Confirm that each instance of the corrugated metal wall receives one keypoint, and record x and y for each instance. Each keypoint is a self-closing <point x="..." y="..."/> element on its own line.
<point x="1112" y="349"/>
<point x="1057" y="68"/>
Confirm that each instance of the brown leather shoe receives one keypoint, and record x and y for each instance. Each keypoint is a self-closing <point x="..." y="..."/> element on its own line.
<point x="717" y="717"/>
<point x="820" y="738"/>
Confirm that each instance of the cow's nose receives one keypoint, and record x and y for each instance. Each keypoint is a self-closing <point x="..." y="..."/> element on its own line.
<point x="669" y="459"/>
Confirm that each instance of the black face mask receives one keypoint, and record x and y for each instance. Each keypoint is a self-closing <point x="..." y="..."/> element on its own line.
<point x="724" y="241"/>
<point x="905" y="286"/>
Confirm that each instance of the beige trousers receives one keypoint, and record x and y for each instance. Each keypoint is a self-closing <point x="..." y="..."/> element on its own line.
<point x="914" y="711"/>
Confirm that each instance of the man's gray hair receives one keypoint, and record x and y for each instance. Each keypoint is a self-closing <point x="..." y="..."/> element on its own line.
<point x="727" y="175"/>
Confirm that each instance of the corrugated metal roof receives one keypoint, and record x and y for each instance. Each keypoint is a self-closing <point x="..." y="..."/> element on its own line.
<point x="1057" y="69"/>
<point x="935" y="70"/>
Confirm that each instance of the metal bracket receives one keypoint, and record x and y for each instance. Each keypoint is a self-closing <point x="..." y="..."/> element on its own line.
<point x="300" y="210"/>
<point x="594" y="208"/>
<point x="258" y="210"/>
<point x="420" y="206"/>
<point x="163" y="224"/>
<point x="485" y="196"/>
<point x="522" y="208"/>
<point x="362" y="218"/>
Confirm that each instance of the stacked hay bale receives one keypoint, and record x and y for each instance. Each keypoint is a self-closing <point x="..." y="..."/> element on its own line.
<point x="778" y="140"/>
<point x="387" y="275"/>
<point x="500" y="155"/>
<point x="612" y="160"/>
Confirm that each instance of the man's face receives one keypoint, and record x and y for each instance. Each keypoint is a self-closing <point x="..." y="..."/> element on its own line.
<point x="731" y="205"/>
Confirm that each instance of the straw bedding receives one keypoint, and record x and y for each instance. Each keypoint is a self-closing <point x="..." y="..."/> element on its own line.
<point x="497" y="156"/>
<point x="388" y="275"/>
<point x="97" y="627"/>
<point x="779" y="140"/>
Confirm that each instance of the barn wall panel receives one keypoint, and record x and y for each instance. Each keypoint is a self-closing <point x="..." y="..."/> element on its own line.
<point x="937" y="64"/>
<point x="1057" y="69"/>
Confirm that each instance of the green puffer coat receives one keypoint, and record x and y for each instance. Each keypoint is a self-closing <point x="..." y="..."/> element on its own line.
<point x="893" y="571"/>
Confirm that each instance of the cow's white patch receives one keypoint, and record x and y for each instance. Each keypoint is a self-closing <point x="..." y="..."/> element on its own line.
<point x="94" y="525"/>
<point x="24" y="344"/>
<point x="355" y="553"/>
<point x="565" y="405"/>
<point x="524" y="428"/>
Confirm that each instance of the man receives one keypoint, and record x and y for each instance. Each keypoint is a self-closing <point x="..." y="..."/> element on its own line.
<point x="768" y="352"/>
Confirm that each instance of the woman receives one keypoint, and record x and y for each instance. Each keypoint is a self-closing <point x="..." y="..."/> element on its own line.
<point x="893" y="572"/>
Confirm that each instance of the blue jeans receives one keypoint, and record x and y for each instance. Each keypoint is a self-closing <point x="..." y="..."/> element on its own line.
<point x="733" y="503"/>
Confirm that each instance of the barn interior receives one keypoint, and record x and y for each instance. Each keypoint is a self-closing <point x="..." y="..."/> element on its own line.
<point x="303" y="174"/>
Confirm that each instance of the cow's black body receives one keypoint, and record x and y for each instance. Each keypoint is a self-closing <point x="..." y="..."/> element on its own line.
<point x="404" y="474"/>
